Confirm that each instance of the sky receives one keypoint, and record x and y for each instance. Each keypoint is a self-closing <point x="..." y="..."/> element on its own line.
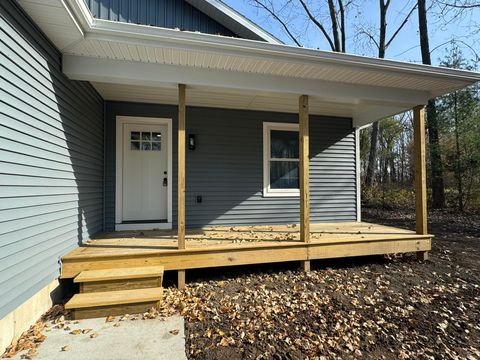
<point x="405" y="47"/>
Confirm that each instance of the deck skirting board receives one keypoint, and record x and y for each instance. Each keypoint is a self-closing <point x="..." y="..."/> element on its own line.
<point x="247" y="254"/>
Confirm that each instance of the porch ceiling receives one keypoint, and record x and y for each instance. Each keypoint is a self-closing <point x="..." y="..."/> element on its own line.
<point x="251" y="74"/>
<point x="222" y="98"/>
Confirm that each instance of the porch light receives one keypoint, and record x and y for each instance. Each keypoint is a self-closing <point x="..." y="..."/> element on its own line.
<point x="191" y="142"/>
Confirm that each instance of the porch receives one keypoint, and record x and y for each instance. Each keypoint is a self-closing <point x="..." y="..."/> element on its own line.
<point x="240" y="245"/>
<point x="221" y="168"/>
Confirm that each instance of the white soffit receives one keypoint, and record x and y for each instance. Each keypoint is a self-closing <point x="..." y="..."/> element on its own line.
<point x="138" y="43"/>
<point x="222" y="98"/>
<point x="138" y="55"/>
<point x="55" y="19"/>
<point x="233" y="20"/>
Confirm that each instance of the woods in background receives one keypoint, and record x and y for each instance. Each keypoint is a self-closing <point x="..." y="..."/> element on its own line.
<point x="453" y="121"/>
<point x="458" y="125"/>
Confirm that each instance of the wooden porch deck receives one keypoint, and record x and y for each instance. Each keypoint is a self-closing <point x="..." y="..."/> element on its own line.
<point x="240" y="245"/>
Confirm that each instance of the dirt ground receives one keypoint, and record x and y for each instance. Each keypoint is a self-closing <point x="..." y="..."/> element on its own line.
<point x="367" y="308"/>
<point x="372" y="308"/>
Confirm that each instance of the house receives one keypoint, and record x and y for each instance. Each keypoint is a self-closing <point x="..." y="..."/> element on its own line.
<point x="178" y="115"/>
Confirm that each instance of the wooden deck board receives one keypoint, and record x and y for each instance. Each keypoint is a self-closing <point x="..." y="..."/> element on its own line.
<point x="120" y="274"/>
<point x="240" y="245"/>
<point x="109" y="298"/>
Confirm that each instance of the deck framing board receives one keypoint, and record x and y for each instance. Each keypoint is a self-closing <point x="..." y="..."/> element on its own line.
<point x="249" y="254"/>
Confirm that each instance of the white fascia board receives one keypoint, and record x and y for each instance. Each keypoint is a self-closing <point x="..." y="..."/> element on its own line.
<point x="81" y="12"/>
<point x="212" y="7"/>
<point x="137" y="73"/>
<point x="157" y="36"/>
<point x="160" y="37"/>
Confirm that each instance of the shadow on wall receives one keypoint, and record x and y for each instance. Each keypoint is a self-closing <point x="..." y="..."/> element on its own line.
<point x="226" y="167"/>
<point x="80" y="109"/>
<point x="51" y="160"/>
<point x="54" y="136"/>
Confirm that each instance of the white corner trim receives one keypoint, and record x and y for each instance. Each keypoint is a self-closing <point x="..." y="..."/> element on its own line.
<point x="358" y="174"/>
<point x="267" y="192"/>
<point x="120" y="121"/>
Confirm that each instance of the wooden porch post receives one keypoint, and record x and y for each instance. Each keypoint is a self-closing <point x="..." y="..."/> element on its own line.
<point x="420" y="175"/>
<point x="304" y="174"/>
<point x="181" y="177"/>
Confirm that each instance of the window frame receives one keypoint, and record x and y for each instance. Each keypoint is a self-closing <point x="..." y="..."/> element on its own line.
<point x="267" y="128"/>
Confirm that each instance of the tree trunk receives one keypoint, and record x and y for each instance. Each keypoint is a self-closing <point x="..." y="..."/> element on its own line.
<point x="372" y="157"/>
<point x="438" y="190"/>
<point x="333" y="19"/>
<point x="458" y="174"/>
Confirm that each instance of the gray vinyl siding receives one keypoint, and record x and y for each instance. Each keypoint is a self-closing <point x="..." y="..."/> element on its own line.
<point x="226" y="168"/>
<point x="51" y="160"/>
<point x="162" y="13"/>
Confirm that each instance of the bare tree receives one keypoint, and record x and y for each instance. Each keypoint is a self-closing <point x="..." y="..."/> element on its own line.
<point x="332" y="26"/>
<point x="436" y="165"/>
<point x="382" y="44"/>
<point x="460" y="4"/>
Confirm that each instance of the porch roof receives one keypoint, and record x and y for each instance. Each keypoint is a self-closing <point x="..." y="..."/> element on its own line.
<point x="142" y="63"/>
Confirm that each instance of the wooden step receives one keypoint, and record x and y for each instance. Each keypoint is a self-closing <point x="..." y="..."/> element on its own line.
<point x="120" y="279"/>
<point x="112" y="303"/>
<point x="119" y="274"/>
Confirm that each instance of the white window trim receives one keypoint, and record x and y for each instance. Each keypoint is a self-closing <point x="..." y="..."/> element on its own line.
<point x="267" y="191"/>
<point x="120" y="121"/>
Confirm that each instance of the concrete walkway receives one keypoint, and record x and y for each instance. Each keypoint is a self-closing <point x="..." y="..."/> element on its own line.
<point x="117" y="340"/>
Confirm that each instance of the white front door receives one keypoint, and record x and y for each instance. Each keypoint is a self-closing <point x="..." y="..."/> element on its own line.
<point x="145" y="166"/>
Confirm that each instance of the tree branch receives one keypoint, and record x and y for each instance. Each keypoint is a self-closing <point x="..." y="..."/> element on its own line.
<point x="405" y="21"/>
<point x="277" y="18"/>
<point x="370" y="36"/>
<point x="465" y="5"/>
<point x="318" y="24"/>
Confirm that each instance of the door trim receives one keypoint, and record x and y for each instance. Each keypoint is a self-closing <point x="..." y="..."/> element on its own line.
<point x="120" y="121"/>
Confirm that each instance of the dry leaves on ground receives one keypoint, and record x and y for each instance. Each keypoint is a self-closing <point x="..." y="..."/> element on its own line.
<point x="34" y="336"/>
<point x="395" y="308"/>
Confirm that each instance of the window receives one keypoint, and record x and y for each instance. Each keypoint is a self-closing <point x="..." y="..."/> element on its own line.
<point x="280" y="159"/>
<point x="145" y="141"/>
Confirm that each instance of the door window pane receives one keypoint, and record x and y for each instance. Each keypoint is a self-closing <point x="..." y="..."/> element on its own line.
<point x="145" y="141"/>
<point x="284" y="175"/>
<point x="135" y="135"/>
<point x="135" y="145"/>
<point x="156" y="146"/>
<point x="283" y="144"/>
